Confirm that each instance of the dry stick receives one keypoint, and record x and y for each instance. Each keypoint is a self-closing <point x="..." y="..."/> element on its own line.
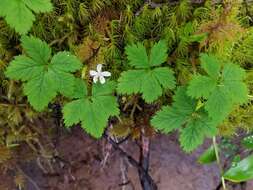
<point x="28" y="177"/>
<point x="144" y="162"/>
<point x="145" y="177"/>
<point x="124" y="177"/>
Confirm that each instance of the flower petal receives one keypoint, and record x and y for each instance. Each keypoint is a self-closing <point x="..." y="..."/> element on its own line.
<point x="95" y="79"/>
<point x="93" y="73"/>
<point x="106" y="74"/>
<point x="102" y="79"/>
<point x="99" y="68"/>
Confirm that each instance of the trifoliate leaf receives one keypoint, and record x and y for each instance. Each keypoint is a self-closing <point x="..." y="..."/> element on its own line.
<point x="18" y="13"/>
<point x="42" y="78"/>
<point x="222" y="88"/>
<point x="92" y="111"/>
<point x="148" y="81"/>
<point x="137" y="56"/>
<point x="158" y="54"/>
<point x="194" y="124"/>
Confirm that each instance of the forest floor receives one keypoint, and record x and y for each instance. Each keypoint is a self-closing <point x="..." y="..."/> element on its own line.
<point x="80" y="167"/>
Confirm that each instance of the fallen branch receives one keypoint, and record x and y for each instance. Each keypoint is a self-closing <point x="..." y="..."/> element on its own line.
<point x="144" y="175"/>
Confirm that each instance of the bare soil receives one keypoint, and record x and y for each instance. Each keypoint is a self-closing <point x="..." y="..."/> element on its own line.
<point x="80" y="165"/>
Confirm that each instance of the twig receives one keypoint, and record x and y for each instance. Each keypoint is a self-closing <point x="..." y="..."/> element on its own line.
<point x="28" y="177"/>
<point x="123" y="169"/>
<point x="145" y="176"/>
<point x="144" y="162"/>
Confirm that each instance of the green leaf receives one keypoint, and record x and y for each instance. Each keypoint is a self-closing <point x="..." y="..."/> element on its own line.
<point x="63" y="81"/>
<point x="219" y="104"/>
<point x="201" y="86"/>
<point x="65" y="62"/>
<point x="150" y="88"/>
<point x="198" y="37"/>
<point x="80" y="89"/>
<point x="191" y="136"/>
<point x="197" y="128"/>
<point x="168" y="119"/>
<point x="211" y="65"/>
<point x="232" y="72"/>
<point x="38" y="50"/>
<point x="165" y="76"/>
<point x="193" y="124"/>
<point x="130" y="82"/>
<point x="39" y="6"/>
<point x="23" y="68"/>
<point x="183" y="102"/>
<point x="158" y="54"/>
<point x="43" y="79"/>
<point x="149" y="83"/>
<point x="223" y="89"/>
<point x="208" y="156"/>
<point x="247" y="142"/>
<point x="40" y="91"/>
<point x="3" y="5"/>
<point x="137" y="56"/>
<point x="233" y="77"/>
<point x="73" y="111"/>
<point x="18" y="13"/>
<point x="92" y="111"/>
<point x="242" y="171"/>
<point x="62" y="64"/>
<point x="103" y="90"/>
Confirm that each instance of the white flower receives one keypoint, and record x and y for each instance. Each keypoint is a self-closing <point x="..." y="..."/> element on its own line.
<point x="99" y="74"/>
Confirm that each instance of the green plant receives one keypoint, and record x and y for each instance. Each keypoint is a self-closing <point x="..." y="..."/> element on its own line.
<point x="42" y="75"/>
<point x="187" y="78"/>
<point x="204" y="103"/>
<point x="149" y="78"/>
<point x="19" y="13"/>
<point x="184" y="114"/>
<point x="91" y="109"/>
<point x="222" y="88"/>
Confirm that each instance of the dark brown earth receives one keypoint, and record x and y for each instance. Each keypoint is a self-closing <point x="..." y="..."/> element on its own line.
<point x="78" y="166"/>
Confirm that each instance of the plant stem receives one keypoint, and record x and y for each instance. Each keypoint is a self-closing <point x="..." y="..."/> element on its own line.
<point x="219" y="162"/>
